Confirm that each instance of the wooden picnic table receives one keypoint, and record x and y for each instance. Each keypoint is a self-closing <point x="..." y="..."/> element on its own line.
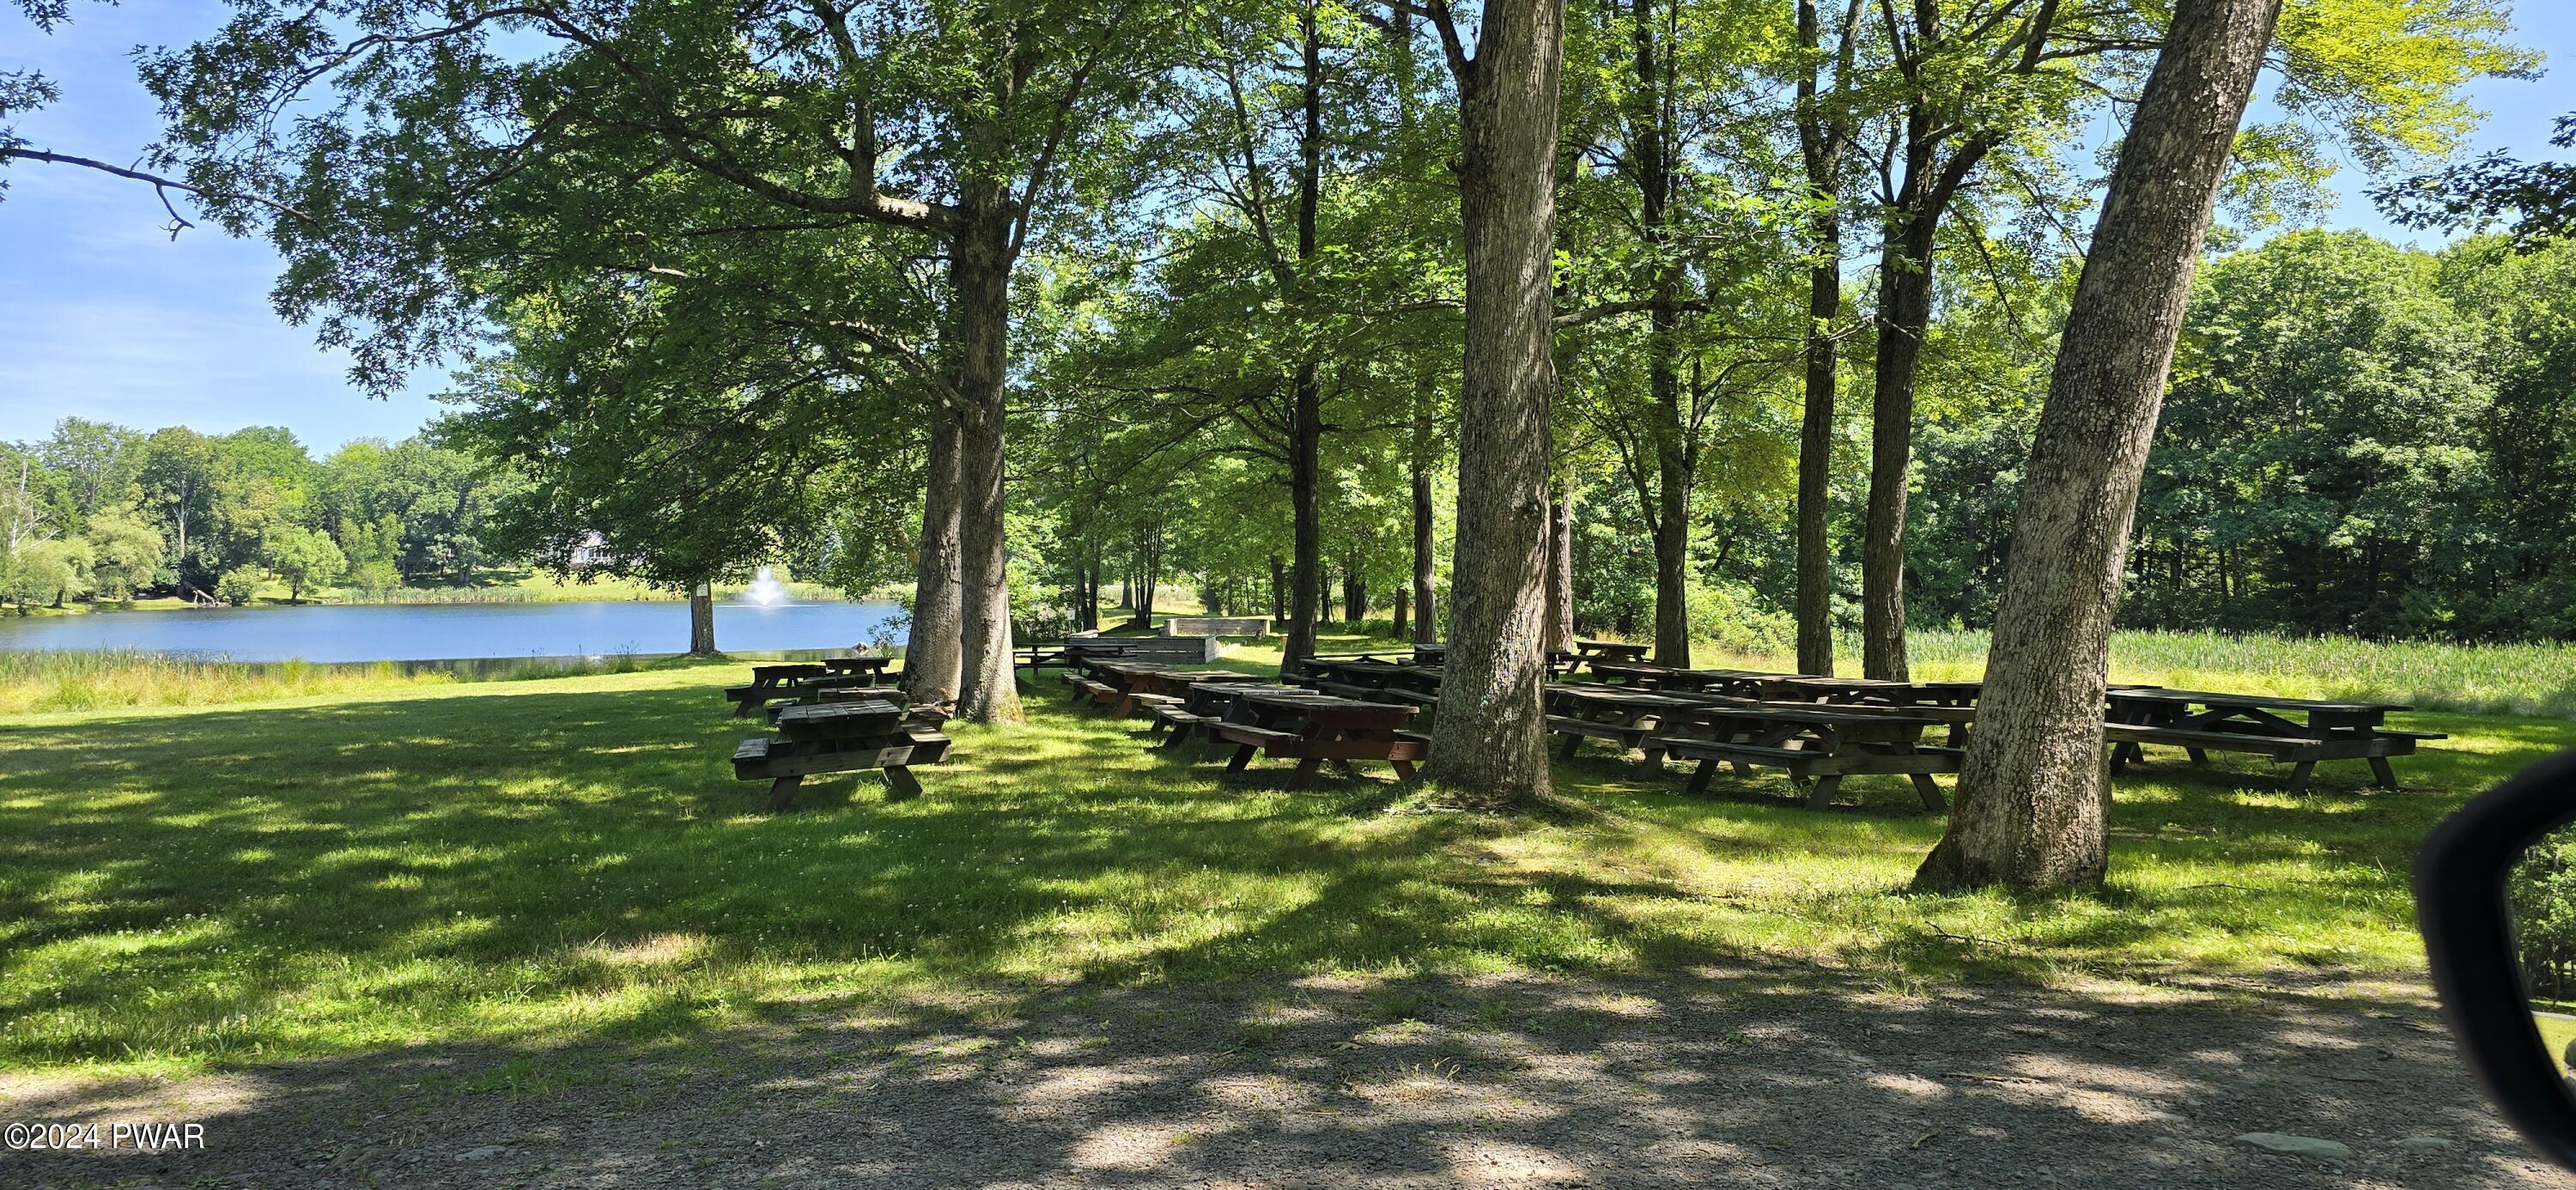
<point x="841" y="737"/>
<point x="800" y="681"/>
<point x="1432" y="653"/>
<point x="2201" y="722"/>
<point x="1206" y="702"/>
<point x="1313" y="729"/>
<point x="1821" y="744"/>
<point x="1610" y="650"/>
<point x="1625" y="715"/>
<point x="857" y="665"/>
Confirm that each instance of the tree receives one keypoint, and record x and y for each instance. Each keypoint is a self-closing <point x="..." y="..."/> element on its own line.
<point x="1826" y="128"/>
<point x="126" y="553"/>
<point x="239" y="585"/>
<point x="98" y="462"/>
<point x="302" y="558"/>
<point x="2535" y="200"/>
<point x="1491" y="734"/>
<point x="2033" y="798"/>
<point x="436" y="155"/>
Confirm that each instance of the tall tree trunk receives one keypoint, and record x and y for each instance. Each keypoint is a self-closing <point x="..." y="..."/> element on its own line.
<point x="702" y="620"/>
<point x="1560" y="574"/>
<point x="934" y="648"/>
<point x="1904" y="315"/>
<point x="2033" y="797"/>
<point x="1491" y="735"/>
<point x="1306" y="417"/>
<point x="1815" y="596"/>
<point x="980" y="281"/>
<point x="1823" y="136"/>
<point x="1651" y="118"/>
<point x="1278" y="590"/>
<point x="1426" y="616"/>
<point x="1403" y="628"/>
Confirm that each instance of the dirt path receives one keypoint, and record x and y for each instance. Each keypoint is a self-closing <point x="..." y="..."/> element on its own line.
<point x="1720" y="1079"/>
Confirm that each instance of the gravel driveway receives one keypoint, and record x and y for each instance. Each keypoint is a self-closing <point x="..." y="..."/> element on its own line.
<point x="1716" y="1078"/>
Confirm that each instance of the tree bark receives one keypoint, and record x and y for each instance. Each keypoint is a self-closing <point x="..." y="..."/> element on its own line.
<point x="1651" y="119"/>
<point x="934" y="649"/>
<point x="980" y="281"/>
<point x="1560" y="574"/>
<point x="1278" y="591"/>
<point x="2033" y="798"/>
<point x="1823" y="137"/>
<point x="1490" y="738"/>
<point x="1403" y="626"/>
<point x="1306" y="416"/>
<point x="1904" y="315"/>
<point x="1815" y="594"/>
<point x="702" y="620"/>
<point x="1426" y="616"/>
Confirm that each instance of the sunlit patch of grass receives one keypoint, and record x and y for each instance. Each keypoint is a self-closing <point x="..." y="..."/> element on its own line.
<point x="569" y="857"/>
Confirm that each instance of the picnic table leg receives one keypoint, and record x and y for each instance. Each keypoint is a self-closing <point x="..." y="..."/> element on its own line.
<point x="2299" y="775"/>
<point x="782" y="790"/>
<point x="1653" y="764"/>
<point x="1572" y="742"/>
<point x="2119" y="758"/>
<point x="2197" y="755"/>
<point x="1700" y="776"/>
<point x="900" y="784"/>
<point x="1242" y="756"/>
<point x="1305" y="772"/>
<point x="2382" y="773"/>
<point x="1929" y="790"/>
<point x="1404" y="772"/>
<point x="1823" y="794"/>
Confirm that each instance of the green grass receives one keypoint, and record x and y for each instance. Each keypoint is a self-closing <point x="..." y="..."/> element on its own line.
<point x="2497" y="679"/>
<point x="535" y="861"/>
<point x="40" y="681"/>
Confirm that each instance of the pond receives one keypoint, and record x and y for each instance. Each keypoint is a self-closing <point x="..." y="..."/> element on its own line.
<point x="415" y="632"/>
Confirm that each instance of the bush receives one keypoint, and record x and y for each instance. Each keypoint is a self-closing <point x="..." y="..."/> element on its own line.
<point x="1735" y="618"/>
<point x="239" y="585"/>
<point x="376" y="580"/>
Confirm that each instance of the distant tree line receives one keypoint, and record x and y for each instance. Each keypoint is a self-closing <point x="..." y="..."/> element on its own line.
<point x="98" y="511"/>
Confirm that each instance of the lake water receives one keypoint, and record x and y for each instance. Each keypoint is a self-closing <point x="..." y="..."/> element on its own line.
<point x="415" y="632"/>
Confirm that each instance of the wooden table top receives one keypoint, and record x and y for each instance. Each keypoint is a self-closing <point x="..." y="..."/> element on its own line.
<point x="1611" y="648"/>
<point x="2249" y="701"/>
<point x="873" y="716"/>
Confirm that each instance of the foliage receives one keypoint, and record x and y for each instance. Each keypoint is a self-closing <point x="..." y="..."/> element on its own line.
<point x="302" y="558"/>
<point x="239" y="585"/>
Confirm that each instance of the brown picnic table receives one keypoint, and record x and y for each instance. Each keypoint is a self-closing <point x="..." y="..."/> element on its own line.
<point x="1614" y="651"/>
<point x="2201" y="722"/>
<point x="800" y="681"/>
<point x="841" y="737"/>
<point x="856" y="665"/>
<point x="1818" y="744"/>
<point x="1312" y="729"/>
<point x="1204" y="703"/>
<point x="1647" y="676"/>
<point x="1376" y="681"/>
<point x="1625" y="715"/>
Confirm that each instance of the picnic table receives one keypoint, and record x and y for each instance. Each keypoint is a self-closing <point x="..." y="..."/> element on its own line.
<point x="1314" y="728"/>
<point x="2201" y="722"/>
<point x="1123" y="685"/>
<point x="1376" y="681"/>
<point x="1598" y="651"/>
<point x="1061" y="654"/>
<point x="856" y="665"/>
<point x="1205" y="702"/>
<point x="1625" y="715"/>
<point x="841" y="737"/>
<point x="1817" y="744"/>
<point x="1432" y="653"/>
<point x="1646" y="676"/>
<point x="799" y="681"/>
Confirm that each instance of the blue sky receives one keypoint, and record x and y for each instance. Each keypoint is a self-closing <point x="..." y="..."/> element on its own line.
<point x="103" y="317"/>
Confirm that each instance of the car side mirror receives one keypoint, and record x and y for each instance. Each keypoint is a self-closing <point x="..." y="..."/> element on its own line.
<point x="2495" y="896"/>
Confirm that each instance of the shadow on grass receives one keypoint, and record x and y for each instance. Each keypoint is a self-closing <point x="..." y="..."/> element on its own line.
<point x="515" y="866"/>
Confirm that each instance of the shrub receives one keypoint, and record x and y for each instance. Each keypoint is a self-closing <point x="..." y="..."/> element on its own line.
<point x="238" y="585"/>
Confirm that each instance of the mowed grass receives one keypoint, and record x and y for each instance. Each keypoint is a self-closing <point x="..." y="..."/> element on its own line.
<point x="535" y="861"/>
<point x="2497" y="679"/>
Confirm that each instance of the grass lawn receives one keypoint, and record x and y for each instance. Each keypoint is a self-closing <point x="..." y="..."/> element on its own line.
<point x="537" y="860"/>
